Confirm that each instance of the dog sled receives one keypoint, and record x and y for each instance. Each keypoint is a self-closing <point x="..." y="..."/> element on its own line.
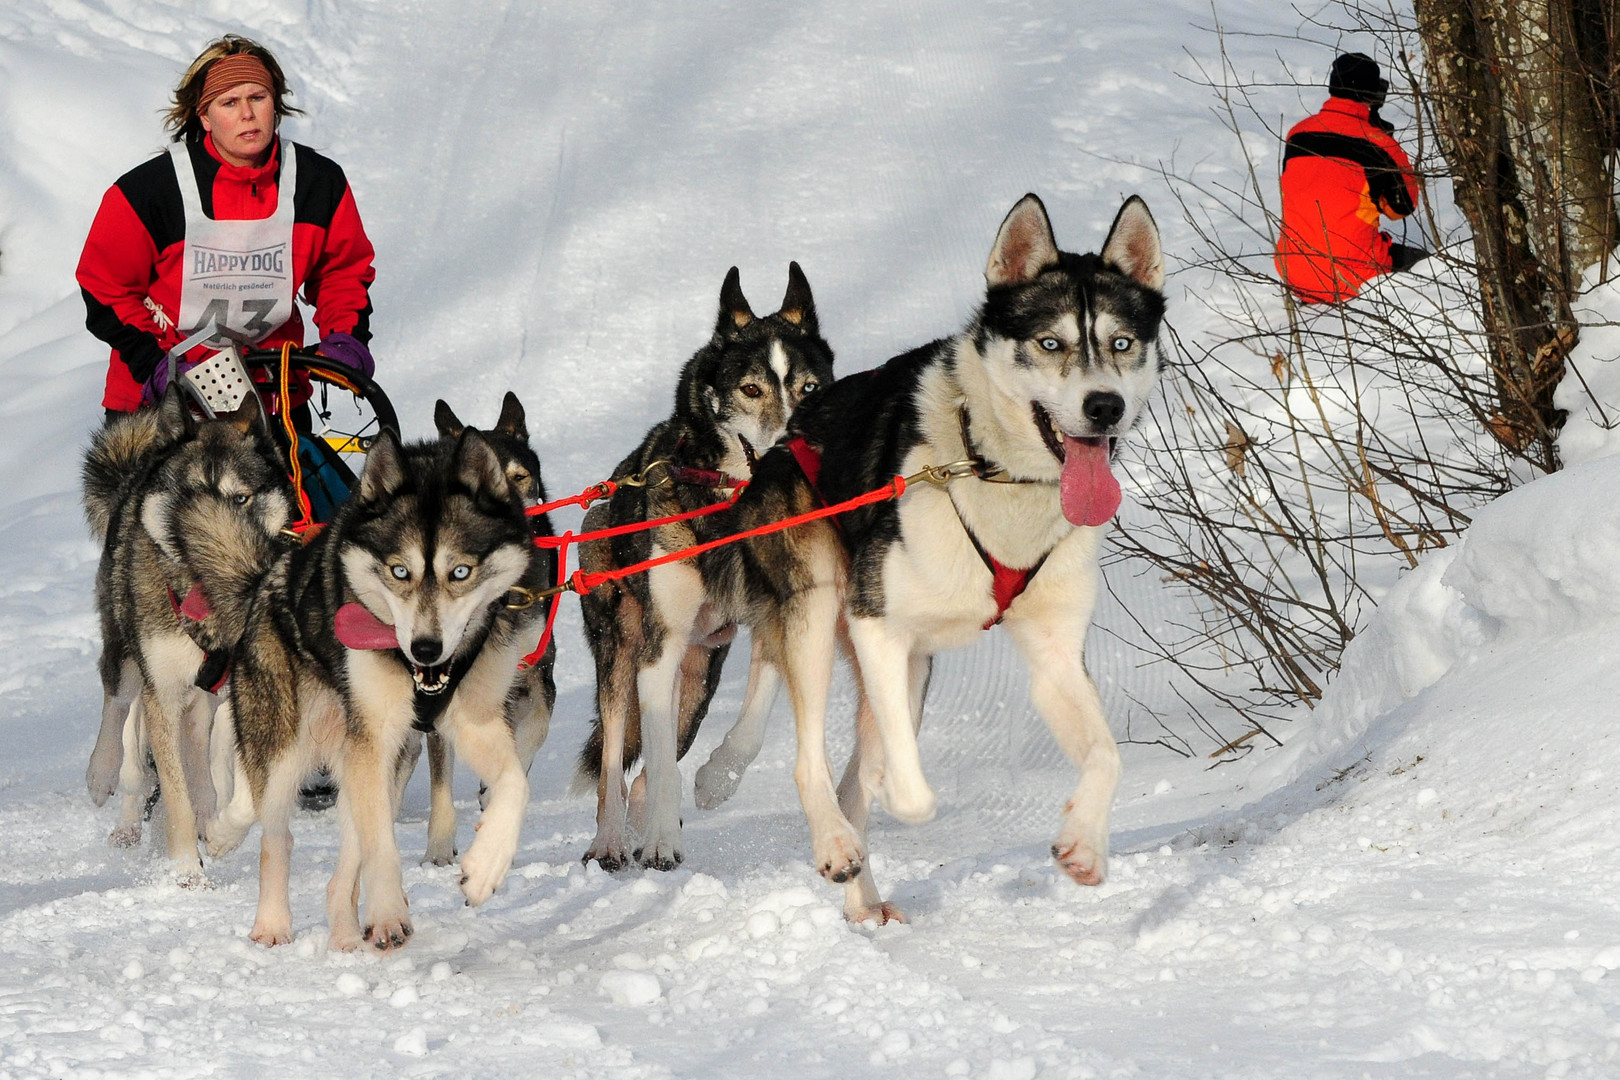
<point x="346" y="412"/>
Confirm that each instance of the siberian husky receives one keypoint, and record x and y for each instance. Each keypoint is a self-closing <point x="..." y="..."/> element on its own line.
<point x="406" y="611"/>
<point x="659" y="639"/>
<point x="1034" y="393"/>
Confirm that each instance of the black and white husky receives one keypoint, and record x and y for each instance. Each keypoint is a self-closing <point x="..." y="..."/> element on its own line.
<point x="1034" y="392"/>
<point x="659" y="639"/>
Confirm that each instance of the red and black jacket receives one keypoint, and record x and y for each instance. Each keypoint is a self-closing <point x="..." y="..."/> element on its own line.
<point x="1340" y="172"/>
<point x="134" y="251"/>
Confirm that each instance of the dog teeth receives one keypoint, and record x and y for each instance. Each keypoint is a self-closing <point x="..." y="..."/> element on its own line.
<point x="437" y="686"/>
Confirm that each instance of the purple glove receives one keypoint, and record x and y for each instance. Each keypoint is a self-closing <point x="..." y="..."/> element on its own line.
<point x="346" y="349"/>
<point x="152" y="390"/>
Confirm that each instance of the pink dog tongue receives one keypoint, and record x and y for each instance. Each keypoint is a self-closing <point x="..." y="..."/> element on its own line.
<point x="1090" y="493"/>
<point x="195" y="605"/>
<point x="358" y="628"/>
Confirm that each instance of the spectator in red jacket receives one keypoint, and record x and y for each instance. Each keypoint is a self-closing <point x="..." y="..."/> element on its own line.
<point x="1341" y="171"/>
<point x="225" y="229"/>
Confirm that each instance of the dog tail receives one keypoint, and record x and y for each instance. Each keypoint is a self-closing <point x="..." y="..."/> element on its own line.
<point x="111" y="463"/>
<point x="589" y="768"/>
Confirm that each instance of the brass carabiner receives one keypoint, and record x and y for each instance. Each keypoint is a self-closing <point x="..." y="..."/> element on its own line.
<point x="519" y="598"/>
<point x="642" y="479"/>
<point x="940" y="475"/>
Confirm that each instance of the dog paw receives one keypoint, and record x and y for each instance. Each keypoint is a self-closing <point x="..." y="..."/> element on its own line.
<point x="1081" y="861"/>
<point x="912" y="803"/>
<point x="659" y="858"/>
<point x="345" y="939"/>
<point x="222" y="839"/>
<point x="610" y="852"/>
<point x="440" y="853"/>
<point x="386" y="934"/>
<point x="716" y="782"/>
<point x="102" y="780"/>
<point x="839" y="856"/>
<point x="125" y="835"/>
<point x="882" y="914"/>
<point x="482" y="871"/>
<point x="271" y="932"/>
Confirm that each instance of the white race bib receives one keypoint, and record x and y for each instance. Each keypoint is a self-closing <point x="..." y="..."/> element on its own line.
<point x="237" y="276"/>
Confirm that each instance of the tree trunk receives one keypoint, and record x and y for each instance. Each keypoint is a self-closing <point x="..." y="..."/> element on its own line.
<point x="1524" y="95"/>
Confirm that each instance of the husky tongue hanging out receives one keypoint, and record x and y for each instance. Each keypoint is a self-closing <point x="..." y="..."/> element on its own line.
<point x="1053" y="370"/>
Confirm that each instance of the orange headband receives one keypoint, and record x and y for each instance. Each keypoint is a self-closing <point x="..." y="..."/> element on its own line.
<point x="229" y="71"/>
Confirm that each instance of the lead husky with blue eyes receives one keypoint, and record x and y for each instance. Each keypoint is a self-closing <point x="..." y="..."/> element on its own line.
<point x="410" y="609"/>
<point x="1054" y="369"/>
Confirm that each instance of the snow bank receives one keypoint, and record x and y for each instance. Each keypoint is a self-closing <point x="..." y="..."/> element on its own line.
<point x="1590" y="390"/>
<point x="1541" y="562"/>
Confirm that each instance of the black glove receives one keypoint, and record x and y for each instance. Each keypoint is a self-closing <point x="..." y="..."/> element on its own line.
<point x="143" y="359"/>
<point x="1405" y="256"/>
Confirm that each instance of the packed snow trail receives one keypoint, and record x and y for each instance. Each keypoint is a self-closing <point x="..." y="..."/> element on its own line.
<point x="1421" y="884"/>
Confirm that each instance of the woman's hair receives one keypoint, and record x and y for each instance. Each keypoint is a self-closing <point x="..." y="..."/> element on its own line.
<point x="182" y="117"/>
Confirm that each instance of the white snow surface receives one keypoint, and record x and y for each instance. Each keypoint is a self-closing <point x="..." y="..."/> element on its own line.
<point x="1421" y="883"/>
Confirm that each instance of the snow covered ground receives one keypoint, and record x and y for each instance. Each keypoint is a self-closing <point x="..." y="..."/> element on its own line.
<point x="1421" y="883"/>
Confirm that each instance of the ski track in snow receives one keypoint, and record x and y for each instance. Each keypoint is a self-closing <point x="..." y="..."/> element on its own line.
<point x="1422" y="884"/>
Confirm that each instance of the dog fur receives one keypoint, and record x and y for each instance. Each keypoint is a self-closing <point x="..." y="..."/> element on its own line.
<point x="430" y="544"/>
<point x="144" y="475"/>
<point x="1055" y="367"/>
<point x="659" y="639"/>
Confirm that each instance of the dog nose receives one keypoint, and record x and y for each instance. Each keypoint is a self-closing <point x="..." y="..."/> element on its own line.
<point x="1104" y="409"/>
<point x="425" y="650"/>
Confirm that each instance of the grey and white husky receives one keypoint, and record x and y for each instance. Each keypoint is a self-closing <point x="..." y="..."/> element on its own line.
<point x="1034" y="393"/>
<point x="528" y="708"/>
<point x="659" y="639"/>
<point x="406" y="611"/>
<point x="165" y="643"/>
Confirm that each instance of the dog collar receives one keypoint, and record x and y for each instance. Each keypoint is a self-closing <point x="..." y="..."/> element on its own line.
<point x="982" y="467"/>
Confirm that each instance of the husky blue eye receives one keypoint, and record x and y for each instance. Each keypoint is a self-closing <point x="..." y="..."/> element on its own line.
<point x="399" y="572"/>
<point x="1050" y="344"/>
<point x="461" y="573"/>
<point x="240" y="500"/>
<point x="1121" y="344"/>
<point x="810" y="386"/>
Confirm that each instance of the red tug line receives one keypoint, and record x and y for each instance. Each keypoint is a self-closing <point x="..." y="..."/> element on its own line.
<point x="581" y="583"/>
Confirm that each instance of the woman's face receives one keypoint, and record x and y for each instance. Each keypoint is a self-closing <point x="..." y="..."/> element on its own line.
<point x="242" y="121"/>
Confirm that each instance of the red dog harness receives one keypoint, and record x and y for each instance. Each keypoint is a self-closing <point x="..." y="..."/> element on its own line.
<point x="1006" y="583"/>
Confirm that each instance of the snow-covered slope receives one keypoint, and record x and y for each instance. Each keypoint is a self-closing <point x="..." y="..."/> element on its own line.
<point x="1419" y="885"/>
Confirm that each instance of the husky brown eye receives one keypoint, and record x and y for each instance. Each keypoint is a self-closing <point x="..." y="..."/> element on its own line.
<point x="751" y="390"/>
<point x="1122" y="343"/>
<point x="461" y="573"/>
<point x="399" y="572"/>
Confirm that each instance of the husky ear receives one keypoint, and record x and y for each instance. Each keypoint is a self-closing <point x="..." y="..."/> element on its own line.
<point x="174" y="415"/>
<point x="798" y="306"/>
<point x="512" y="421"/>
<point x="249" y="416"/>
<point x="479" y="468"/>
<point x="446" y="420"/>
<point x="1132" y="246"/>
<point x="734" y="310"/>
<point x="384" y="471"/>
<point x="1024" y="246"/>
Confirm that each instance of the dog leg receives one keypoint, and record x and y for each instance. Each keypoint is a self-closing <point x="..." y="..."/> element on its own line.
<point x="133" y="780"/>
<point x="717" y="780"/>
<point x="197" y="724"/>
<point x="489" y="749"/>
<point x="615" y="704"/>
<point x="863" y="782"/>
<point x="107" y="757"/>
<point x="230" y="826"/>
<point x="222" y="754"/>
<point x="806" y="649"/>
<point x="1067" y="700"/>
<point x="658" y="687"/>
<point x="165" y="711"/>
<point x="343" y="890"/>
<point x="366" y="778"/>
<point x="529" y="713"/>
<point x="441" y="845"/>
<point x="273" y="923"/>
<point x="885" y="669"/>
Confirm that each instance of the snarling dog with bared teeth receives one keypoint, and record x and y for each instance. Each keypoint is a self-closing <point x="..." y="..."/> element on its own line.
<point x="1056" y="366"/>
<point x="400" y="614"/>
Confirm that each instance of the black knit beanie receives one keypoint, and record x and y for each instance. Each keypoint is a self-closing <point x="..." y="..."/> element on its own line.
<point x="1355" y="77"/>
